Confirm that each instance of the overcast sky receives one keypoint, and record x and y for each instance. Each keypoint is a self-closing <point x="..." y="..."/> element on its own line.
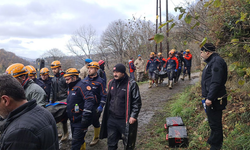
<point x="30" y="27"/>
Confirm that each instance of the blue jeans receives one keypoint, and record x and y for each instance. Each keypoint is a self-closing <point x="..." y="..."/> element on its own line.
<point x="132" y="75"/>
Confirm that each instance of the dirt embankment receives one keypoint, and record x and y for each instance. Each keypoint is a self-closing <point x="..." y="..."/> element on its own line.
<point x="153" y="99"/>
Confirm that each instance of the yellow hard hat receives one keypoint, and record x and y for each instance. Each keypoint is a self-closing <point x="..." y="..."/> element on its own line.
<point x="31" y="70"/>
<point x="94" y="65"/>
<point x="171" y="52"/>
<point x="159" y="54"/>
<point x="71" y="72"/>
<point x="16" y="70"/>
<point x="188" y="50"/>
<point x="44" y="71"/>
<point x="55" y="64"/>
<point x="152" y="53"/>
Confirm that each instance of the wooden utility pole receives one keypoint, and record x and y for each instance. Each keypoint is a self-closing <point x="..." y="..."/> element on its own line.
<point x="160" y="28"/>
<point x="167" y="27"/>
<point x="156" y="30"/>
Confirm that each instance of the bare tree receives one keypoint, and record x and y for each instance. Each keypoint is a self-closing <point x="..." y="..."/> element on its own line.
<point x="82" y="42"/>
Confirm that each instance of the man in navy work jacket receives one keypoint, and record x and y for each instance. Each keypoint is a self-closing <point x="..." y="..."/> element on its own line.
<point x="80" y="102"/>
<point x="121" y="110"/>
<point x="99" y="90"/>
<point x="213" y="82"/>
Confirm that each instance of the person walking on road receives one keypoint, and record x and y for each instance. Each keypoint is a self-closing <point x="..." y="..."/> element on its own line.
<point x="121" y="110"/>
<point x="151" y="66"/>
<point x="213" y="82"/>
<point x="181" y="62"/>
<point x="171" y="67"/>
<point x="162" y="63"/>
<point x="132" y="68"/>
<point x="139" y="65"/>
<point x="26" y="126"/>
<point x="99" y="90"/>
<point x="80" y="102"/>
<point x="187" y="67"/>
<point x="84" y="70"/>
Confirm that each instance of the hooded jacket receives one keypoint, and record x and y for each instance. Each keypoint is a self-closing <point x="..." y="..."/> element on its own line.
<point x="132" y="108"/>
<point x="34" y="91"/>
<point x="29" y="127"/>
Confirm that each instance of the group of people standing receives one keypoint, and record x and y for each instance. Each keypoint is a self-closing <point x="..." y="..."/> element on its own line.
<point x="173" y="65"/>
<point x="85" y="95"/>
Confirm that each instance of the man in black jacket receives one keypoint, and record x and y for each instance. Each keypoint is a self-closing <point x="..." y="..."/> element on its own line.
<point x="121" y="111"/>
<point x="59" y="92"/>
<point x="213" y="82"/>
<point x="26" y="125"/>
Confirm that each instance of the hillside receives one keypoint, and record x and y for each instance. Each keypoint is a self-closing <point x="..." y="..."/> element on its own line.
<point x="8" y="58"/>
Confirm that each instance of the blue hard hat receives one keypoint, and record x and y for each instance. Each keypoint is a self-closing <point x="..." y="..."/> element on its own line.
<point x="184" y="52"/>
<point x="139" y="55"/>
<point x="88" y="60"/>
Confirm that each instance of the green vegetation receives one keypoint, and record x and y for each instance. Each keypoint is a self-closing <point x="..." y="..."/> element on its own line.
<point x="236" y="121"/>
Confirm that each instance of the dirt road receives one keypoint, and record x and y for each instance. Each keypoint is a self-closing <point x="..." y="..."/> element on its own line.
<point x="152" y="100"/>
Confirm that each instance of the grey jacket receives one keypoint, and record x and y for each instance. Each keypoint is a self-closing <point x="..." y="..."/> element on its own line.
<point x="34" y="91"/>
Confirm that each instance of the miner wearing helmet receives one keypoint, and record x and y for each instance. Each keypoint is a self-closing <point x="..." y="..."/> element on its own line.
<point x="162" y="62"/>
<point x="84" y="69"/>
<point x="171" y="67"/>
<point x="59" y="91"/>
<point x="187" y="68"/>
<point x="152" y="65"/>
<point x="80" y="102"/>
<point x="101" y="71"/>
<point x="32" y="90"/>
<point x="32" y="75"/>
<point x="99" y="90"/>
<point x="47" y="80"/>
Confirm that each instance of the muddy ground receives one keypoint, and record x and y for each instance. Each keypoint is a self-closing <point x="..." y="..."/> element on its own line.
<point x="153" y="99"/>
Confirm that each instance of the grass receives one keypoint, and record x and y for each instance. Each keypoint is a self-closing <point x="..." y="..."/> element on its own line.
<point x="236" y="121"/>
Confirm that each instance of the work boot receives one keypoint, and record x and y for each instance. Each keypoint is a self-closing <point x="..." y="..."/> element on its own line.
<point x="65" y="132"/>
<point x="156" y="82"/>
<point x="171" y="84"/>
<point x="150" y="84"/>
<point x="95" y="140"/>
<point x="83" y="147"/>
<point x="183" y="77"/>
<point x="168" y="83"/>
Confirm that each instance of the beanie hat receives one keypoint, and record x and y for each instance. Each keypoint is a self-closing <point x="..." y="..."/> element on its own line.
<point x="88" y="60"/>
<point x="208" y="47"/>
<point x="120" y="68"/>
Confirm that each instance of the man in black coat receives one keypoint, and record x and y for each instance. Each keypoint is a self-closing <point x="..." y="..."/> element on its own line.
<point x="121" y="111"/>
<point x="213" y="82"/>
<point x="26" y="125"/>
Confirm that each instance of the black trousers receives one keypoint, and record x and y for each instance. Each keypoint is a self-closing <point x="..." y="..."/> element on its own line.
<point x="95" y="119"/>
<point x="215" y="123"/>
<point x="187" y="70"/>
<point x="78" y="135"/>
<point x="116" y="129"/>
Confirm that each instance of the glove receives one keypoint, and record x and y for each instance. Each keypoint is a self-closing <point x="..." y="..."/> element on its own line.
<point x="179" y="67"/>
<point x="85" y="122"/>
<point x="99" y="110"/>
<point x="175" y="70"/>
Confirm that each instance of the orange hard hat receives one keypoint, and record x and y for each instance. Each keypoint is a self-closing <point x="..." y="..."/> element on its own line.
<point x="171" y="52"/>
<point x="31" y="70"/>
<point x="55" y="64"/>
<point x="159" y="54"/>
<point x="94" y="65"/>
<point x="16" y="70"/>
<point x="152" y="53"/>
<point x="71" y="72"/>
<point x="187" y="50"/>
<point x="44" y="71"/>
